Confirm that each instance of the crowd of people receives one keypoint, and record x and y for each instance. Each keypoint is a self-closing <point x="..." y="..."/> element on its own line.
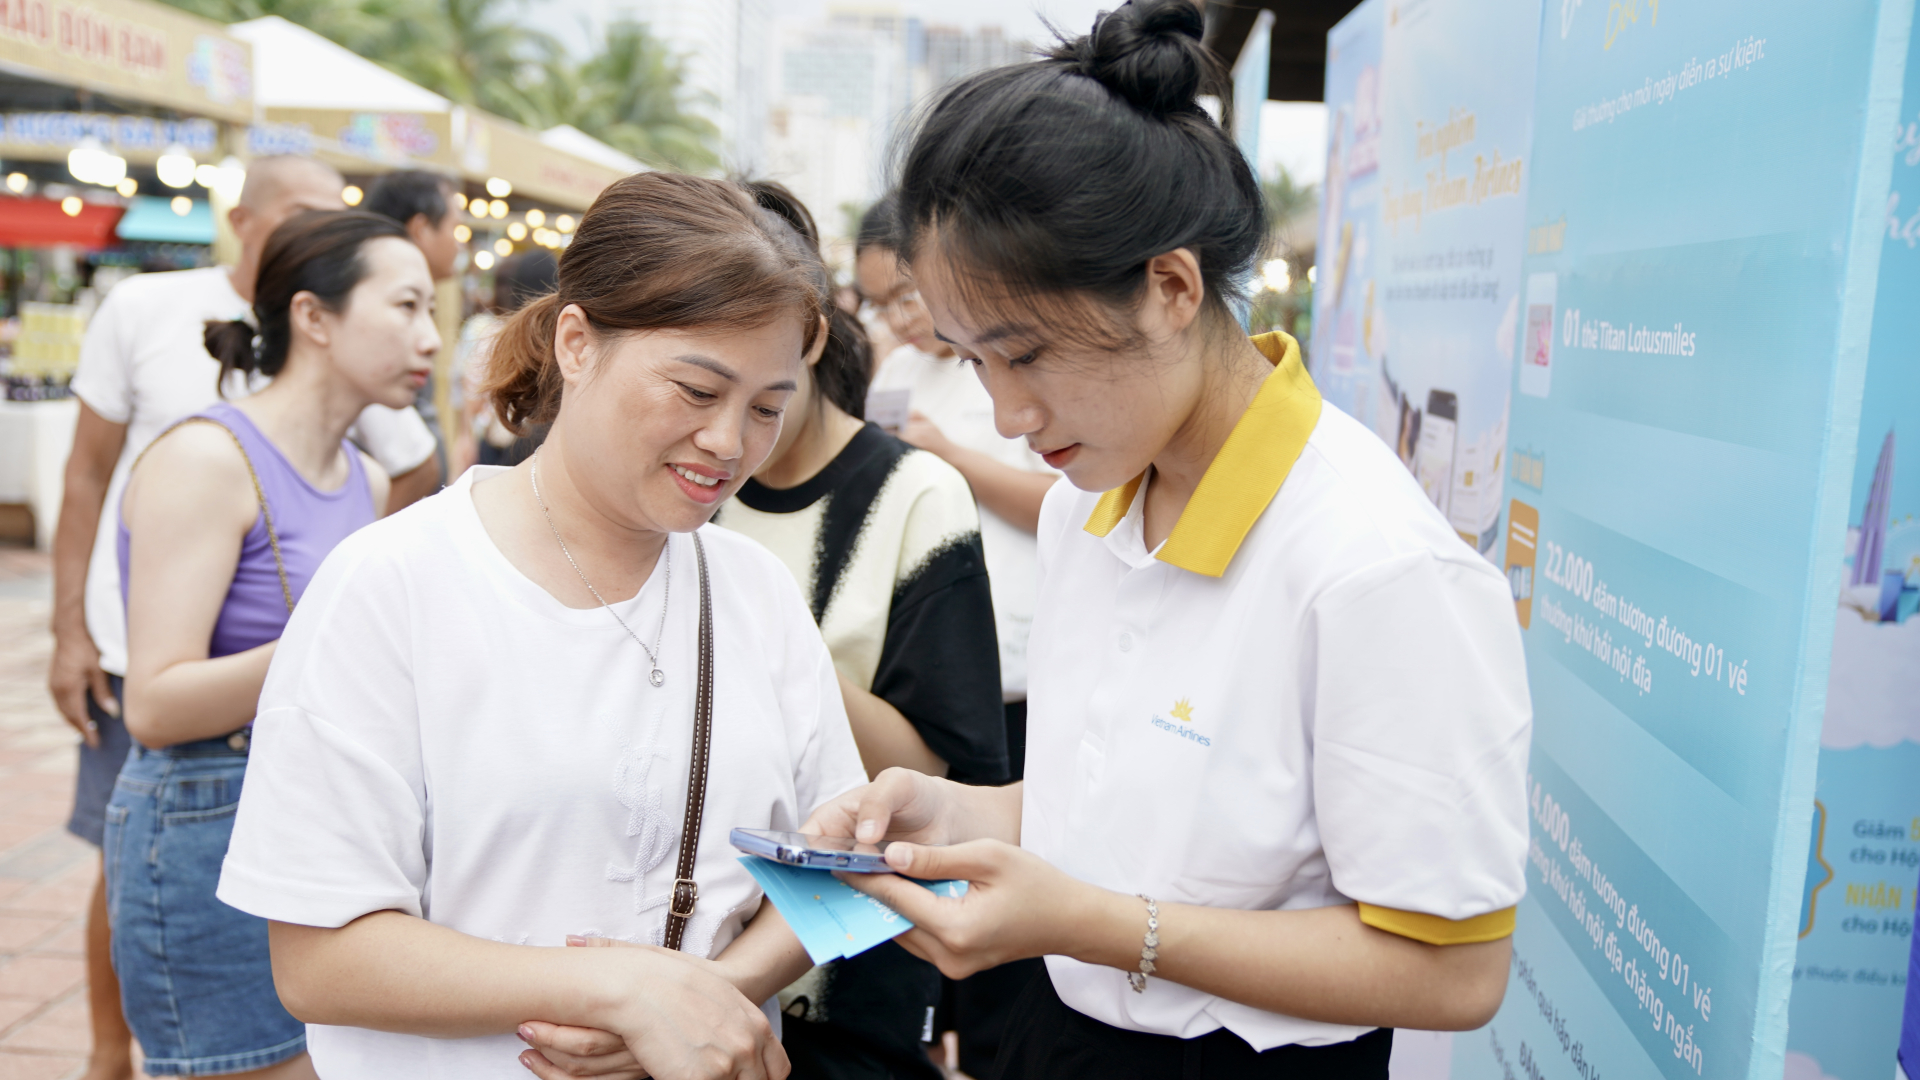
<point x="388" y="785"/>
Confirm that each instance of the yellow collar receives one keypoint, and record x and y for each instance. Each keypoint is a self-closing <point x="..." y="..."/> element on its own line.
<point x="1245" y="475"/>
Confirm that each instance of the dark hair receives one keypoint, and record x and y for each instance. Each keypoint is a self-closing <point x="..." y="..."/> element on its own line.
<point x="523" y="277"/>
<point x="1062" y="177"/>
<point x="401" y="195"/>
<point x="845" y="367"/>
<point x="656" y="251"/>
<point x="316" y="252"/>
<point x="880" y="225"/>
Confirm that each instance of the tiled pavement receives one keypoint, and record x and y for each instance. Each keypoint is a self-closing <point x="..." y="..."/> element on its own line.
<point x="45" y="874"/>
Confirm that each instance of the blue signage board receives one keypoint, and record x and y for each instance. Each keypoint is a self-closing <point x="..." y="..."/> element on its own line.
<point x="1416" y="323"/>
<point x="1706" y="207"/>
<point x="1856" y="917"/>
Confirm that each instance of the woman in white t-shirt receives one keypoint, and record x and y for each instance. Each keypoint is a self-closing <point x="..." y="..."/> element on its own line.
<point x="1274" y="802"/>
<point x="478" y="736"/>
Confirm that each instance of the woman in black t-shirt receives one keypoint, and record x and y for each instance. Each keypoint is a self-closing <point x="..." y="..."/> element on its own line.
<point x="885" y="542"/>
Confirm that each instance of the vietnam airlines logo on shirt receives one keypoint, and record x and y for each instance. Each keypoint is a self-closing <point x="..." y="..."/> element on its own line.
<point x="1181" y="724"/>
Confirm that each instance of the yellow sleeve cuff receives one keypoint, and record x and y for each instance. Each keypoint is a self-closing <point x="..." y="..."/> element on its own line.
<point x="1435" y="930"/>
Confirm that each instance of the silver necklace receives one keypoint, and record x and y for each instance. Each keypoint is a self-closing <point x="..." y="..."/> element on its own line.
<point x="656" y="676"/>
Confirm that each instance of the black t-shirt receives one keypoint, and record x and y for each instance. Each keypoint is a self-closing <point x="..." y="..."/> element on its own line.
<point x="885" y="542"/>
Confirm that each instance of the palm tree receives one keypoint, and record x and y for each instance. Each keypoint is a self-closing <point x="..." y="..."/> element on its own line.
<point x="631" y="98"/>
<point x="629" y="94"/>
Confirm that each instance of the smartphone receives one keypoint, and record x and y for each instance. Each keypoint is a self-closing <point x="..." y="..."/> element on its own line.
<point x="813" y="852"/>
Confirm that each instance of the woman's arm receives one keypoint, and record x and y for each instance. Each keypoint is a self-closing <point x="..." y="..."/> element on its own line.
<point x="886" y="738"/>
<point x="763" y="959"/>
<point x="1317" y="964"/>
<point x="188" y="508"/>
<point x="1013" y="494"/>
<point x="393" y="972"/>
<point x="75" y="671"/>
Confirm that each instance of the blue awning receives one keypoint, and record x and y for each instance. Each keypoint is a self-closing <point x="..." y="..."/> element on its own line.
<point x="152" y="218"/>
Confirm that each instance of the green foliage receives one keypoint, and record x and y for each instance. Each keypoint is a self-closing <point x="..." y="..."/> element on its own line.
<point x="629" y="94"/>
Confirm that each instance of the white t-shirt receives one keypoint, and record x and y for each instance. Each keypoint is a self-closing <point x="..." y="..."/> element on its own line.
<point x="144" y="364"/>
<point x="438" y="735"/>
<point x="951" y="396"/>
<point x="1312" y="693"/>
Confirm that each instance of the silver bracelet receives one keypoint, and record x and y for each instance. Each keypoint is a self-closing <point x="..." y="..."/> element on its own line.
<point x="1149" y="947"/>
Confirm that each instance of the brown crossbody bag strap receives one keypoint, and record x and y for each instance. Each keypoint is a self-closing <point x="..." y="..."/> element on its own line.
<point x="266" y="512"/>
<point x="685" y="892"/>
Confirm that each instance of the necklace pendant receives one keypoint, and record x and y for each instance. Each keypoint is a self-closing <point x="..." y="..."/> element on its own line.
<point x="657" y="677"/>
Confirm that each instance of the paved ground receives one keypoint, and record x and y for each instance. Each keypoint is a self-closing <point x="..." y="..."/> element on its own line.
<point x="45" y="874"/>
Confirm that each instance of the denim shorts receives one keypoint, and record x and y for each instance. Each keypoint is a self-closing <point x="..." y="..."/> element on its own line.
<point x="196" y="981"/>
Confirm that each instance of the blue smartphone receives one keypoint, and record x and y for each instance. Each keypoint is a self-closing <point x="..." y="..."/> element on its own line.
<point x="812" y="852"/>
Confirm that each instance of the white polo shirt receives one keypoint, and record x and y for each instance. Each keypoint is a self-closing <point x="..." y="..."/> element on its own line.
<point x="1312" y="693"/>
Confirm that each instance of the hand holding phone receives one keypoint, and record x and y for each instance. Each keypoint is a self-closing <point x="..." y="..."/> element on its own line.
<point x="813" y="852"/>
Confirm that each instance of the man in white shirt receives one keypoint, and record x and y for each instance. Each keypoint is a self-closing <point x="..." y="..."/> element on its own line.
<point x="143" y="366"/>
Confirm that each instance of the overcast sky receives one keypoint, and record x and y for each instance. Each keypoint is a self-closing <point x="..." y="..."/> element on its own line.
<point x="1290" y="134"/>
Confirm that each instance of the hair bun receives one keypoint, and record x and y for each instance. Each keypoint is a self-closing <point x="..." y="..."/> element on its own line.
<point x="1149" y="53"/>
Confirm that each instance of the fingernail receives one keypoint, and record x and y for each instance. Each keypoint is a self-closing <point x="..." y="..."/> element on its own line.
<point x="899" y="856"/>
<point x="868" y="830"/>
<point x="576" y="940"/>
<point x="526" y="1034"/>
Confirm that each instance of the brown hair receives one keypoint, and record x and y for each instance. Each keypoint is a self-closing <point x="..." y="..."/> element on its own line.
<point x="656" y="251"/>
<point x="317" y="251"/>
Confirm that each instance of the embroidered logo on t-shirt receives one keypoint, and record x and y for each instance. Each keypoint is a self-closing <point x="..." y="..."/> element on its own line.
<point x="1182" y="721"/>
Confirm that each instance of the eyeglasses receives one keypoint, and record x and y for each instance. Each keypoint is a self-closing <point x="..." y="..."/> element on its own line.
<point x="906" y="306"/>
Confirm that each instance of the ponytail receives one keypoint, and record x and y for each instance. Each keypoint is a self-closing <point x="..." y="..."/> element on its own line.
<point x="845" y="367"/>
<point x="231" y="343"/>
<point x="523" y="378"/>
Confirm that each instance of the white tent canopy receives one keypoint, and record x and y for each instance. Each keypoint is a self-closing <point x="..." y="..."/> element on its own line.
<point x="582" y="145"/>
<point x="295" y="68"/>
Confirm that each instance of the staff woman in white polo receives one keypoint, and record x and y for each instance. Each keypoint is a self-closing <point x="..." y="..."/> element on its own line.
<point x="1278" y="714"/>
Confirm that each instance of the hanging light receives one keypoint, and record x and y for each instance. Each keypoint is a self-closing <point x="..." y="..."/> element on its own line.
<point x="182" y="205"/>
<point x="483" y="260"/>
<point x="90" y="163"/>
<point x="498" y="188"/>
<point x="229" y="179"/>
<point x="206" y="175"/>
<point x="503" y="247"/>
<point x="462" y="233"/>
<point x="351" y="195"/>
<point x="1277" y="276"/>
<point x="564" y="222"/>
<point x="17" y="182"/>
<point x="498" y="208"/>
<point x="516" y="232"/>
<point x="459" y="201"/>
<point x="71" y="205"/>
<point x="536" y="217"/>
<point x="128" y="187"/>
<point x="176" y="168"/>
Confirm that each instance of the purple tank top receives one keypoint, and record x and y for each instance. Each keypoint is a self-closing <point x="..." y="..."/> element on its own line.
<point x="309" y="522"/>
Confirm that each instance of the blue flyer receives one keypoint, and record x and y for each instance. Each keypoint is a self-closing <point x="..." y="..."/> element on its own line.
<point x="832" y="919"/>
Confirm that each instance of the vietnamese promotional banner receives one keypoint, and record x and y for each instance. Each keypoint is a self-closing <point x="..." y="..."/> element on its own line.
<point x="1695" y="310"/>
<point x="1416" y="321"/>
<point x="1856" y="919"/>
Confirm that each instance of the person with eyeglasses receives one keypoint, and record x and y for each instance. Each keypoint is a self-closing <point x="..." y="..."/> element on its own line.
<point x="952" y="417"/>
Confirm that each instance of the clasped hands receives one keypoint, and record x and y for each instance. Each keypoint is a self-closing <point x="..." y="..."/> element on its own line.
<point x="1016" y="905"/>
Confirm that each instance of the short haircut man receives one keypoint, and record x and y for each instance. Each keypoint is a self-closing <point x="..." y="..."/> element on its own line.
<point x="421" y="201"/>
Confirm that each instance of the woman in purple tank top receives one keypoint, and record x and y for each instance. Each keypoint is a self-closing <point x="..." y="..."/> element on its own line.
<point x="225" y="520"/>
